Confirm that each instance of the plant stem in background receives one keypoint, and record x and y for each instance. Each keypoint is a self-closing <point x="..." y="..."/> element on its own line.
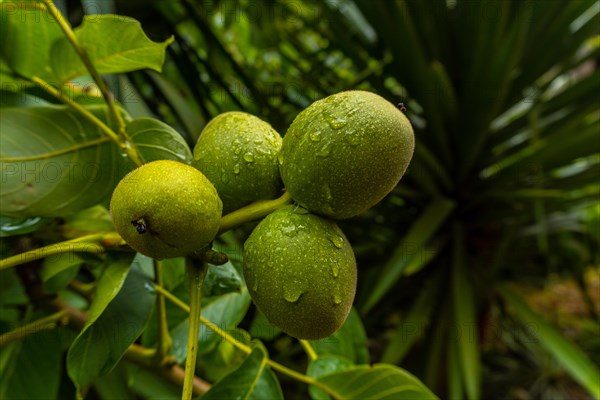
<point x="164" y="338"/>
<point x="252" y="212"/>
<point x="124" y="141"/>
<point x="96" y="244"/>
<point x="310" y="352"/>
<point x="246" y="349"/>
<point x="196" y="273"/>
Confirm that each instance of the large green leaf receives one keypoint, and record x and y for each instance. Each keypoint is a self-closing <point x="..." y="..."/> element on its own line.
<point x="253" y="380"/>
<point x="68" y="164"/>
<point x="53" y="161"/>
<point x="107" y="335"/>
<point x="323" y="366"/>
<point x="158" y="141"/>
<point x="114" y="44"/>
<point x="572" y="359"/>
<point x="377" y="382"/>
<point x="26" y="36"/>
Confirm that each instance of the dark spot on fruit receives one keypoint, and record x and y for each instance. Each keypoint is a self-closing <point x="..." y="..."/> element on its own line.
<point x="140" y="225"/>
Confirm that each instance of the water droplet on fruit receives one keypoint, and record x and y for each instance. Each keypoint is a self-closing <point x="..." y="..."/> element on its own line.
<point x="292" y="293"/>
<point x="249" y="157"/>
<point x="315" y="136"/>
<point x="289" y="230"/>
<point x="255" y="285"/>
<point x="337" y="298"/>
<point x="335" y="270"/>
<point x="337" y="241"/>
<point x="325" y="150"/>
<point x="327" y="193"/>
<point x="258" y="141"/>
<point x="280" y="158"/>
<point x="236" y="169"/>
<point x="352" y="138"/>
<point x="335" y="122"/>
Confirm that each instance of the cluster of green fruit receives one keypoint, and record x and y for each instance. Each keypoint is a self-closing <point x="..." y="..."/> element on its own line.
<point x="339" y="157"/>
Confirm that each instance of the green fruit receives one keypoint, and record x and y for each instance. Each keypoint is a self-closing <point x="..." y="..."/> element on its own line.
<point x="238" y="153"/>
<point x="301" y="272"/>
<point x="166" y="209"/>
<point x="345" y="153"/>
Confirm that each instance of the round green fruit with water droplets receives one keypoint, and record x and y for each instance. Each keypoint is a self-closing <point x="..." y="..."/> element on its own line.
<point x="238" y="153"/>
<point x="301" y="272"/>
<point x="166" y="209"/>
<point x="345" y="153"/>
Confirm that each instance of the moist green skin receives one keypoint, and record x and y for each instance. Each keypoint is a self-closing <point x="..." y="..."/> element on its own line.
<point x="345" y="153"/>
<point x="238" y="153"/>
<point x="177" y="205"/>
<point x="301" y="272"/>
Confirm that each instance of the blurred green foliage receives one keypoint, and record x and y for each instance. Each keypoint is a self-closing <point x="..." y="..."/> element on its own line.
<point x="503" y="187"/>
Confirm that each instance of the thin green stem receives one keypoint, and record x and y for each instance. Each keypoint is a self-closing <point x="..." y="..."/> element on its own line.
<point x="95" y="244"/>
<point x="310" y="352"/>
<point x="224" y="335"/>
<point x="164" y="338"/>
<point x="252" y="212"/>
<point x="241" y="346"/>
<point x="51" y="90"/>
<point x="49" y="322"/>
<point x="196" y="275"/>
<point x="125" y="142"/>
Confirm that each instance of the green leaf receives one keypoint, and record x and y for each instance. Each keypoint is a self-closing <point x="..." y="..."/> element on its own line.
<point x="222" y="279"/>
<point x="414" y="324"/>
<point x="253" y="380"/>
<point x="465" y="319"/>
<point x="158" y="141"/>
<point x="106" y="336"/>
<point x="60" y="279"/>
<point x="225" y="311"/>
<point x="66" y="164"/>
<point x="322" y="366"/>
<point x="350" y="341"/>
<point x="114" y="44"/>
<point x="19" y="226"/>
<point x="410" y="247"/>
<point x="11" y="95"/>
<point x="572" y="358"/>
<point x="223" y="358"/>
<point x="380" y="381"/>
<point x="26" y="36"/>
<point x="37" y="368"/>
